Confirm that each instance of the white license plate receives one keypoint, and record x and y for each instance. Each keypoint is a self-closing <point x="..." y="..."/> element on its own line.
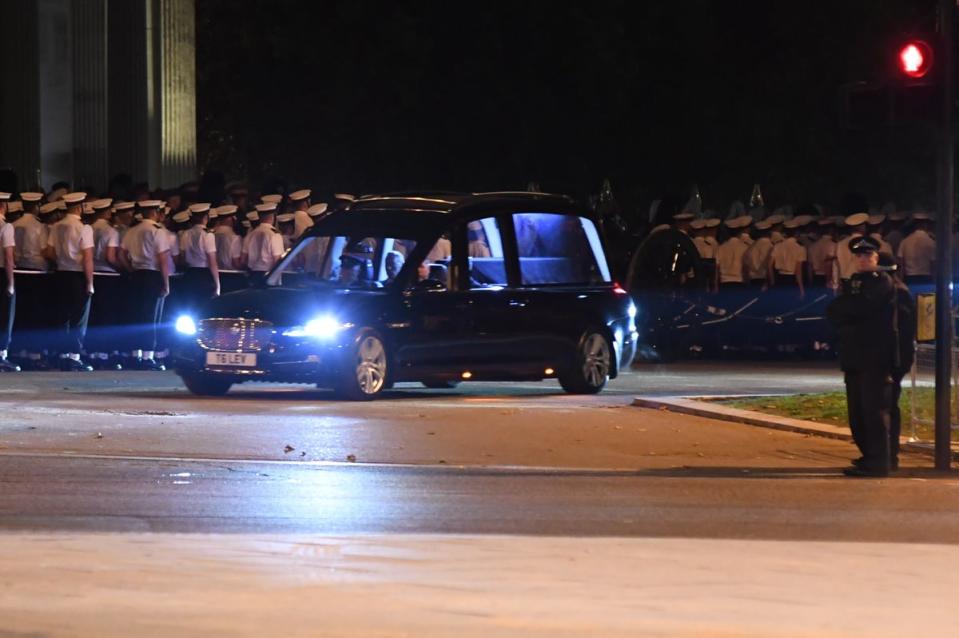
<point x="231" y="359"/>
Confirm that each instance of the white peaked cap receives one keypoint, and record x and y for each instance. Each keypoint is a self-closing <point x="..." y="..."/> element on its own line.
<point x="46" y="209"/>
<point x="857" y="219"/>
<point x="712" y="222"/>
<point x="31" y="197"/>
<point x="763" y="225"/>
<point x="795" y="222"/>
<point x="316" y="210"/>
<point x="226" y="209"/>
<point x="272" y="199"/>
<point x="150" y="203"/>
<point x="182" y="216"/>
<point x="284" y="217"/>
<point x="246" y="223"/>
<point x="296" y="196"/>
<point x="776" y="218"/>
<point x="199" y="208"/>
<point x="14" y="207"/>
<point x="74" y="198"/>
<point x="698" y="224"/>
<point x="302" y="221"/>
<point x="875" y="220"/>
<point x="681" y="217"/>
<point x="345" y="196"/>
<point x="921" y="216"/>
<point x="124" y="205"/>
<point x="267" y="207"/>
<point x="253" y="216"/>
<point x="5" y="196"/>
<point x="100" y="204"/>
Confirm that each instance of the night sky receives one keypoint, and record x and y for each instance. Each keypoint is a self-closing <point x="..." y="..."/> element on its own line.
<point x="364" y="97"/>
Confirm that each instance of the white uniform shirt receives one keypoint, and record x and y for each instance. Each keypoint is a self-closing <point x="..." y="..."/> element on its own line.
<point x="757" y="258"/>
<point x="228" y="247"/>
<point x="264" y="248"/>
<point x="729" y="260"/>
<point x="706" y="246"/>
<point x="821" y="254"/>
<point x="174" y="242"/>
<point x="918" y="253"/>
<point x="845" y="260"/>
<point x="7" y="240"/>
<point x="104" y="236"/>
<point x="145" y="242"/>
<point x="69" y="237"/>
<point x="31" y="239"/>
<point x="787" y="256"/>
<point x="196" y="244"/>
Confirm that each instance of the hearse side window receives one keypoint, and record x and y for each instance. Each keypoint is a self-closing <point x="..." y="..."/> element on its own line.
<point x="559" y="249"/>
<point x="344" y="261"/>
<point x="486" y="265"/>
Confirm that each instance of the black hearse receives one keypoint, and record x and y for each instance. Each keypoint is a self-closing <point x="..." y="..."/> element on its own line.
<point x="434" y="288"/>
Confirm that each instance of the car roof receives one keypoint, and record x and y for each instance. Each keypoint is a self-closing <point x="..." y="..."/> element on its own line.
<point x="415" y="212"/>
<point x="455" y="203"/>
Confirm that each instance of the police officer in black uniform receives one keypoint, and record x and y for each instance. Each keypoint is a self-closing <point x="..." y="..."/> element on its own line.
<point x="864" y="317"/>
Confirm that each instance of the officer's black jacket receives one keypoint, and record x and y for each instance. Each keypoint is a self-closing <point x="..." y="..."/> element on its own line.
<point x="864" y="319"/>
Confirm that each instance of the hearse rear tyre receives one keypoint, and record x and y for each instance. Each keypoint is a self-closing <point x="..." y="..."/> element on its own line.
<point x="592" y="363"/>
<point x="438" y="384"/>
<point x="365" y="372"/>
<point x="206" y="386"/>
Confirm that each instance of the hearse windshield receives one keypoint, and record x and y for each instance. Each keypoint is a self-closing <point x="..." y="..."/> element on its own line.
<point x="343" y="261"/>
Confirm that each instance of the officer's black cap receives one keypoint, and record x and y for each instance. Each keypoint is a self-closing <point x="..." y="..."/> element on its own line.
<point x="861" y="245"/>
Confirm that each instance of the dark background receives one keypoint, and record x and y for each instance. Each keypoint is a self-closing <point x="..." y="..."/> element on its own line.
<point x="365" y="96"/>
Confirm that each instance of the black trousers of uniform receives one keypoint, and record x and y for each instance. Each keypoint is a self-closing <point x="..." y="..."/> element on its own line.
<point x="869" y="402"/>
<point x="257" y="277"/>
<point x="196" y="287"/>
<point x="73" y="310"/>
<point x="106" y="313"/>
<point x="8" y="313"/>
<point x="147" y="310"/>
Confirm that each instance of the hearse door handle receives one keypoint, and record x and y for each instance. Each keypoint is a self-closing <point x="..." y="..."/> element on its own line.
<point x="518" y="303"/>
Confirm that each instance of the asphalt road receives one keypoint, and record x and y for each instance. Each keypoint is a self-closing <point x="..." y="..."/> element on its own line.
<point x="135" y="452"/>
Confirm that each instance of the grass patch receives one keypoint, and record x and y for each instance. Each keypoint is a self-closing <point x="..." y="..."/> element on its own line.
<point x="830" y="408"/>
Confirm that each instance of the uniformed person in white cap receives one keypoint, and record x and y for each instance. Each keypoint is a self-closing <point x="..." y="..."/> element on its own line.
<point x="8" y="299"/>
<point x="228" y="243"/>
<point x="822" y="254"/>
<point x="106" y="309"/>
<point x="730" y="269"/>
<point x="284" y="224"/>
<point x="299" y="206"/>
<point x="201" y="280"/>
<point x="917" y="252"/>
<point x="31" y="234"/>
<point x="787" y="260"/>
<point x="265" y="244"/>
<point x="123" y="218"/>
<point x="756" y="259"/>
<point x="147" y="248"/>
<point x="70" y="245"/>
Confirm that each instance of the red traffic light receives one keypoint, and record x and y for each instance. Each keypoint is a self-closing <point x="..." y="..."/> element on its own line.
<point x="915" y="59"/>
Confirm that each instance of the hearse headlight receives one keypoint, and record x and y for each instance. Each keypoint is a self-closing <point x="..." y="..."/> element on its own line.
<point x="324" y="327"/>
<point x="185" y="325"/>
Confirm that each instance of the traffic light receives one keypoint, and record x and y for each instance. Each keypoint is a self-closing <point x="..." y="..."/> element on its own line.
<point x="915" y="59"/>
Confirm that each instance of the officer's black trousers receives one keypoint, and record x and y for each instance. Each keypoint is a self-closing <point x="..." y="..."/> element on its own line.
<point x="869" y="402"/>
<point x="8" y="312"/>
<point x="197" y="287"/>
<point x="105" y="314"/>
<point x="147" y="288"/>
<point x="73" y="310"/>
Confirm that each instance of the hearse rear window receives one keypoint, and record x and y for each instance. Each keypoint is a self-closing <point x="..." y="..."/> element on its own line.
<point x="559" y="249"/>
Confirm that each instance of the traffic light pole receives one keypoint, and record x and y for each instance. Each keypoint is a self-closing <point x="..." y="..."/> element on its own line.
<point x="944" y="326"/>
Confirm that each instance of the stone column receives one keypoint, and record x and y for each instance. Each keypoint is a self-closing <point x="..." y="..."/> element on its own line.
<point x="91" y="111"/>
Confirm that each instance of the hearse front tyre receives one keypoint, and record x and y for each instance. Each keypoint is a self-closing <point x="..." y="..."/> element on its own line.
<point x="592" y="363"/>
<point x="365" y="371"/>
<point x="205" y="385"/>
